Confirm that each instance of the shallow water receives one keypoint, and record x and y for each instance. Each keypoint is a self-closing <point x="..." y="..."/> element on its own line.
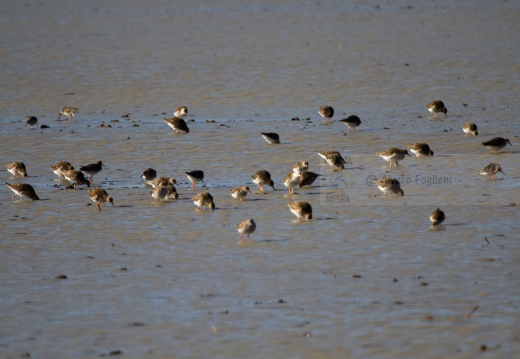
<point x="365" y="278"/>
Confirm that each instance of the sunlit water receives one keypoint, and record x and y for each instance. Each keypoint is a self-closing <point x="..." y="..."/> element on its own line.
<point x="366" y="277"/>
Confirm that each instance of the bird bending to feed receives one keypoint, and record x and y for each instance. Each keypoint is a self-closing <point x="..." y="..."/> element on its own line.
<point x="92" y="169"/>
<point x="389" y="185"/>
<point x="181" y="111"/>
<point x="301" y="209"/>
<point x="16" y="169"/>
<point x="204" y="200"/>
<point x="195" y="176"/>
<point x="496" y="144"/>
<point x="165" y="181"/>
<point x="239" y="192"/>
<point x="352" y="122"/>
<point x="436" y="107"/>
<point x="159" y="192"/>
<point x="76" y="177"/>
<point x="246" y="227"/>
<point x="68" y="112"/>
<point x="148" y="174"/>
<point x="470" y="127"/>
<point x="31" y="121"/>
<point x="23" y="190"/>
<point x="300" y="167"/>
<point x="261" y="178"/>
<point x="333" y="158"/>
<point x="271" y="137"/>
<point x="61" y="166"/>
<point x="326" y="112"/>
<point x="420" y="149"/>
<point x="177" y="124"/>
<point x="437" y="217"/>
<point x="491" y="170"/>
<point x="99" y="196"/>
<point x="291" y="180"/>
<point x="393" y="154"/>
<point x="308" y="178"/>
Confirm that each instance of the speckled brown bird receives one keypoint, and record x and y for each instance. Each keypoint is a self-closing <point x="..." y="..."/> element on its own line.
<point x="420" y="149"/>
<point x="61" y="166"/>
<point x="99" y="196"/>
<point x="301" y="209"/>
<point x="261" y="178"/>
<point x="76" y="177"/>
<point x="307" y="178"/>
<point x="470" y="127"/>
<point x="68" y="112"/>
<point x="393" y="154"/>
<point x="204" y="200"/>
<point x="436" y="107"/>
<point x="326" y="112"/>
<point x="177" y="124"/>
<point x="23" y="190"/>
<point x="247" y="227"/>
<point x="17" y="169"/>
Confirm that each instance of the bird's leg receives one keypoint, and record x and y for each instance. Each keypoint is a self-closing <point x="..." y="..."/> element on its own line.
<point x="330" y="119"/>
<point x="98" y="205"/>
<point x="249" y="239"/>
<point x="193" y="185"/>
<point x="241" y="238"/>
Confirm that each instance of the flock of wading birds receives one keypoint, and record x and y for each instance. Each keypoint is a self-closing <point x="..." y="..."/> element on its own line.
<point x="164" y="187"/>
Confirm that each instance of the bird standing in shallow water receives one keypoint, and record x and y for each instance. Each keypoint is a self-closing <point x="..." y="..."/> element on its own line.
<point x="291" y="180"/>
<point x="437" y="217"/>
<point x="491" y="170"/>
<point x="76" y="177"/>
<point x="389" y="185"/>
<point x="496" y="144"/>
<point x="246" y="227"/>
<point x="393" y="154"/>
<point x="148" y="174"/>
<point x="352" y="122"/>
<point x="16" y="169"/>
<point x="68" y="112"/>
<point x="204" y="200"/>
<point x="31" y="121"/>
<point x="99" y="196"/>
<point x="23" y="190"/>
<point x="165" y="181"/>
<point x="160" y="192"/>
<point x="301" y="209"/>
<point x="60" y="167"/>
<point x="239" y="192"/>
<point x="308" y="178"/>
<point x="470" y="127"/>
<point x="326" y="112"/>
<point x="262" y="177"/>
<point x="436" y="107"/>
<point x="420" y="149"/>
<point x="177" y="124"/>
<point x="195" y="176"/>
<point x="92" y="169"/>
<point x="333" y="158"/>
